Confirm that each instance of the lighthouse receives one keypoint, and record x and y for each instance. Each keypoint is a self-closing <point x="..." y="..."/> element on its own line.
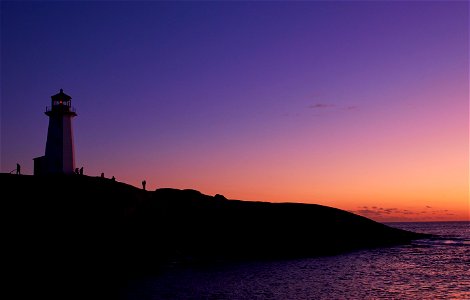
<point x="59" y="157"/>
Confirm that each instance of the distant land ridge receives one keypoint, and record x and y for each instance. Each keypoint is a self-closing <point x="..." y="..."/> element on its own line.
<point x="110" y="229"/>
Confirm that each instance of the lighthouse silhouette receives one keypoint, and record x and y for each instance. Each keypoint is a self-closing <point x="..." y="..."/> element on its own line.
<point x="59" y="157"/>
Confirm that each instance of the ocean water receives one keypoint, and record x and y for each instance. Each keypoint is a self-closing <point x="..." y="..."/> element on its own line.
<point x="437" y="268"/>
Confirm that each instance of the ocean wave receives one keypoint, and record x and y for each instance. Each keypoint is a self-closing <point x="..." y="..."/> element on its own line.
<point x="443" y="241"/>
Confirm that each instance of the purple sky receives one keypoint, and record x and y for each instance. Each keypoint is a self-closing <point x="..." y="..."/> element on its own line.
<point x="219" y="96"/>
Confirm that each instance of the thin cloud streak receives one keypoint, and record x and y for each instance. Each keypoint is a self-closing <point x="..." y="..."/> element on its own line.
<point x="321" y="106"/>
<point x="381" y="212"/>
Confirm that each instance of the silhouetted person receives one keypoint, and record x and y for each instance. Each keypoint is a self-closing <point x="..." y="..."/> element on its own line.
<point x="76" y="171"/>
<point x="102" y="175"/>
<point x="81" y="171"/>
<point x="143" y="184"/>
<point x="18" y="169"/>
<point x="113" y="178"/>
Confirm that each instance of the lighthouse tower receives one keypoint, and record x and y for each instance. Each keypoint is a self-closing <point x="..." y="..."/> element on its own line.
<point x="59" y="158"/>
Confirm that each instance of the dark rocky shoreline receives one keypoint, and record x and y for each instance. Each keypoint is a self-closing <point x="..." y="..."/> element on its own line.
<point x="88" y="234"/>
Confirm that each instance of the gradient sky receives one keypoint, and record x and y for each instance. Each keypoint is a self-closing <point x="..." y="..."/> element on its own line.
<point x="361" y="106"/>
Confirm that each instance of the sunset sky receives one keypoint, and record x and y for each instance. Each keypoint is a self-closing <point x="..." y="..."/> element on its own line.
<point x="363" y="106"/>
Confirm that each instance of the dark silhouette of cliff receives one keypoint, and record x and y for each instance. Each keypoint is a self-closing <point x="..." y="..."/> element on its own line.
<point x="96" y="232"/>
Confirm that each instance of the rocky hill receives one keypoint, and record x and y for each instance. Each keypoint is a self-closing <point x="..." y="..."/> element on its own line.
<point x="70" y="229"/>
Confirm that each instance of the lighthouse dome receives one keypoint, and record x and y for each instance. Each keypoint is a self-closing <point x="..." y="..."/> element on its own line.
<point x="61" y="96"/>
